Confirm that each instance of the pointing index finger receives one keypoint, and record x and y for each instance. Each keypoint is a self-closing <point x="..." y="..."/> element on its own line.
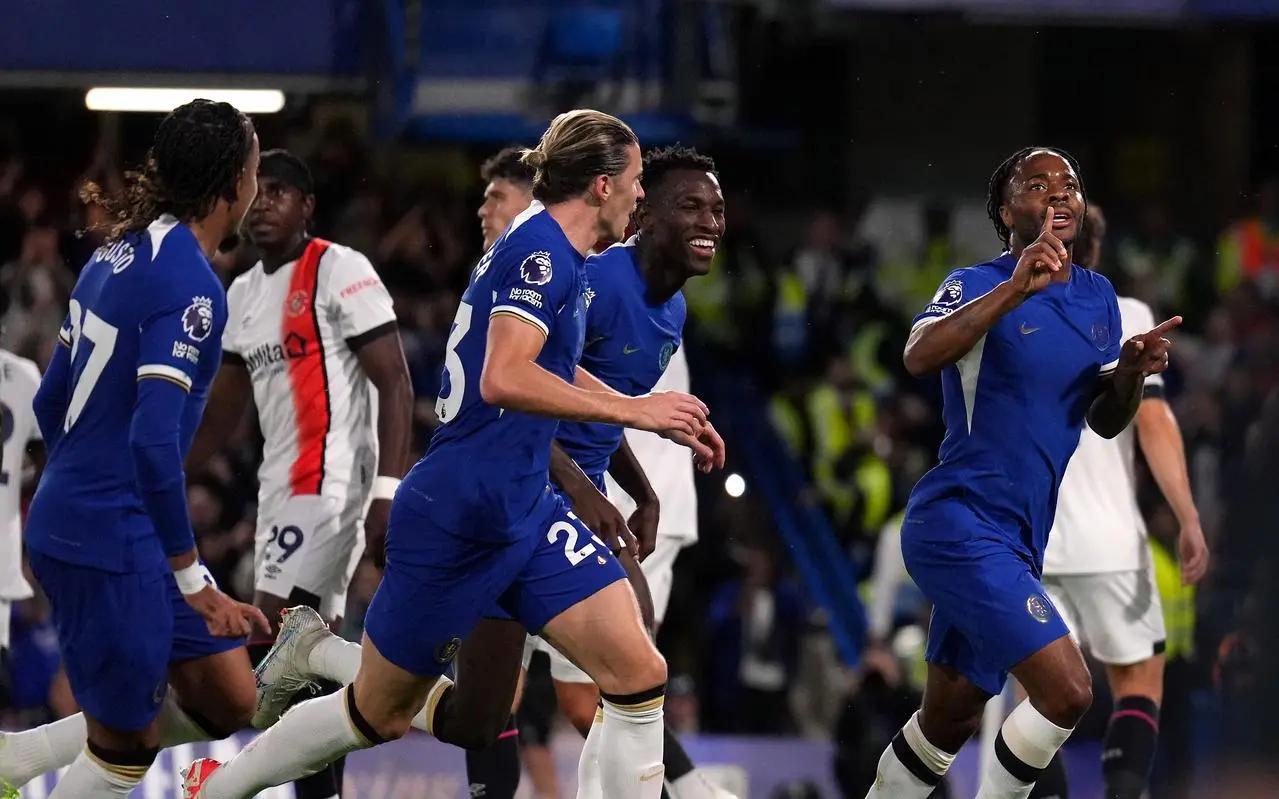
<point x="1164" y="327"/>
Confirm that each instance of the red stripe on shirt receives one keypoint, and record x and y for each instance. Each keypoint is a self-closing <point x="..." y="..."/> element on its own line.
<point x="308" y="380"/>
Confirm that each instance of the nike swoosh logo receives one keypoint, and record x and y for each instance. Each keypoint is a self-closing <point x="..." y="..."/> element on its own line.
<point x="1026" y="331"/>
<point x="628" y="349"/>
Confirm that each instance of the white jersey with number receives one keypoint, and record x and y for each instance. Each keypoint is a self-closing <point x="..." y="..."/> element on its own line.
<point x="19" y="379"/>
<point x="669" y="467"/>
<point x="295" y="328"/>
<point x="1099" y="527"/>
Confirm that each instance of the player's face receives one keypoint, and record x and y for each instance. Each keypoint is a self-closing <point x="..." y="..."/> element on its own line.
<point x="279" y="215"/>
<point x="1044" y="181"/>
<point x="618" y="197"/>
<point x="685" y="219"/>
<point x="246" y="189"/>
<point x="503" y="201"/>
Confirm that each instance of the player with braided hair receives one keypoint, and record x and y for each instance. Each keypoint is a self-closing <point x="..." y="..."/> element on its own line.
<point x="152" y="649"/>
<point x="1029" y="347"/>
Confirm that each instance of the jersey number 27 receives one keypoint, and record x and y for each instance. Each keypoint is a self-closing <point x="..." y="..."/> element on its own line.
<point x="86" y="326"/>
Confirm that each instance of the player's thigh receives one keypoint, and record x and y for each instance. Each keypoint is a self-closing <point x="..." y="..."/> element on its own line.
<point x="659" y="570"/>
<point x="575" y="593"/>
<point x="1125" y="620"/>
<point x="386" y="696"/>
<point x="436" y="586"/>
<point x="307" y="547"/>
<point x="115" y="632"/>
<point x="989" y="610"/>
<point x="488" y="667"/>
<point x="333" y="604"/>
<point x="212" y="675"/>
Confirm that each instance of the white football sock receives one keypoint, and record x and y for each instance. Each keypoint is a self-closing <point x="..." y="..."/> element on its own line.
<point x="176" y="727"/>
<point x="28" y="754"/>
<point x="693" y="785"/>
<point x="588" y="765"/>
<point x="305" y="740"/>
<point x="334" y="659"/>
<point x="1026" y="744"/>
<point x="90" y="778"/>
<point x="630" y="750"/>
<point x="911" y="766"/>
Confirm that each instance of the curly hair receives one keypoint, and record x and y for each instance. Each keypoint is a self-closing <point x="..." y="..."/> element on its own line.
<point x="997" y="191"/>
<point x="196" y="160"/>
<point x="507" y="165"/>
<point x="661" y="162"/>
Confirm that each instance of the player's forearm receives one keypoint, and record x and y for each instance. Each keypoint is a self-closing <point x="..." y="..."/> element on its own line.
<point x="630" y="475"/>
<point x="1116" y="403"/>
<point x="528" y="388"/>
<point x="566" y="474"/>
<point x="589" y="382"/>
<point x="228" y="399"/>
<point x="394" y="427"/>
<point x="936" y="344"/>
<point x="1161" y="442"/>
<point x="157" y="463"/>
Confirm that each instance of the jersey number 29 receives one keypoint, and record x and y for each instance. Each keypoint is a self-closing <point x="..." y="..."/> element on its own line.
<point x="85" y="373"/>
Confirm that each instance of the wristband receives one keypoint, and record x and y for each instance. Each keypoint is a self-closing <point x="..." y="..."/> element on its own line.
<point x="384" y="487"/>
<point x="194" y="579"/>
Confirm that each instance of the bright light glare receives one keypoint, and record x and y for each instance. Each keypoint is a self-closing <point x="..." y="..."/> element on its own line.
<point x="734" y="485"/>
<point x="162" y="101"/>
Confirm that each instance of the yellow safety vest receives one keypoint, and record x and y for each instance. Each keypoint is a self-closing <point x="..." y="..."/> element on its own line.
<point x="1178" y="601"/>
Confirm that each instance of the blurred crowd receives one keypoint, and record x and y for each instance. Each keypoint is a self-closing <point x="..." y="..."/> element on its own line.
<point x="819" y="323"/>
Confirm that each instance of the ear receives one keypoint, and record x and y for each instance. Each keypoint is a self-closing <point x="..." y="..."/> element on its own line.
<point x="1006" y="216"/>
<point x="308" y="206"/>
<point x="640" y="219"/>
<point x="601" y="189"/>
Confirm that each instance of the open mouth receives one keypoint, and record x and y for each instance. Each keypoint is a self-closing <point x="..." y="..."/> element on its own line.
<point x="703" y="246"/>
<point x="1062" y="219"/>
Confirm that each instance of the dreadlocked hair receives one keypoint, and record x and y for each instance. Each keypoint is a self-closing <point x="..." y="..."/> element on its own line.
<point x="196" y="159"/>
<point x="661" y="162"/>
<point x="997" y="191"/>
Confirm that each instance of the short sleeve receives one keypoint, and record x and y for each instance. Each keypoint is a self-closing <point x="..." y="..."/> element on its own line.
<point x="186" y="327"/>
<point x="958" y="289"/>
<point x="360" y="299"/>
<point x="1114" y="329"/>
<point x="234" y="312"/>
<point x="1137" y="319"/>
<point x="534" y="286"/>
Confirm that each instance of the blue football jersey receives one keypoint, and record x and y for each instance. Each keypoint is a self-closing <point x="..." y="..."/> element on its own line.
<point x="487" y="467"/>
<point x="146" y="307"/>
<point x="1014" y="406"/>
<point x="629" y="342"/>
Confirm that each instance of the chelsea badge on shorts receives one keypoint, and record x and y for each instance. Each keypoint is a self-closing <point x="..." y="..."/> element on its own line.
<point x="446" y="651"/>
<point x="1038" y="608"/>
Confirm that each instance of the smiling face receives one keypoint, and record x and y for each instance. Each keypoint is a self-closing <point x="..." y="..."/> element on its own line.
<point x="684" y="218"/>
<point x="1043" y="182"/>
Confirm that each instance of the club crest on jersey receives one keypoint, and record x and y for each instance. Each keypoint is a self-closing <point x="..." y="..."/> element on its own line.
<point x="1038" y="608"/>
<point x="664" y="358"/>
<point x="536" y="269"/>
<point x="446" y="651"/>
<point x="950" y="294"/>
<point x="1101" y="336"/>
<point x="197" y="319"/>
<point x="298" y="302"/>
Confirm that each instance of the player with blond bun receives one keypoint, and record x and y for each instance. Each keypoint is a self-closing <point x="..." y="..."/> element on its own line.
<point x="476" y="521"/>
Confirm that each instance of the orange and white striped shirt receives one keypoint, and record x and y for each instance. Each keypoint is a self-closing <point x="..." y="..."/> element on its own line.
<point x="296" y="329"/>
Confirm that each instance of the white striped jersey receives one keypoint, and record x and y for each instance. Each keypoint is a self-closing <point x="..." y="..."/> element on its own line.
<point x="297" y="330"/>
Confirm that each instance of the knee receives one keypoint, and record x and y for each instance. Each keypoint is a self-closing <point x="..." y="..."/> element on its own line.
<point x="633" y="675"/>
<point x="1069" y="700"/>
<point x="379" y="717"/>
<point x="949" y="728"/>
<point x="578" y="702"/>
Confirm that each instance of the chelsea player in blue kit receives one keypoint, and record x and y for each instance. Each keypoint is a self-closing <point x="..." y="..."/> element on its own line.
<point x="476" y="520"/>
<point x="1029" y="348"/>
<point x="108" y="535"/>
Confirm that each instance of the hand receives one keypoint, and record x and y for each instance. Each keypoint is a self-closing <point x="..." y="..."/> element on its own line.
<point x="1040" y="260"/>
<point x="225" y="617"/>
<point x="375" y="522"/>
<point x="643" y="523"/>
<point x="604" y="519"/>
<point x="707" y="446"/>
<point x="1147" y="353"/>
<point x="668" y="412"/>
<point x="1192" y="551"/>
